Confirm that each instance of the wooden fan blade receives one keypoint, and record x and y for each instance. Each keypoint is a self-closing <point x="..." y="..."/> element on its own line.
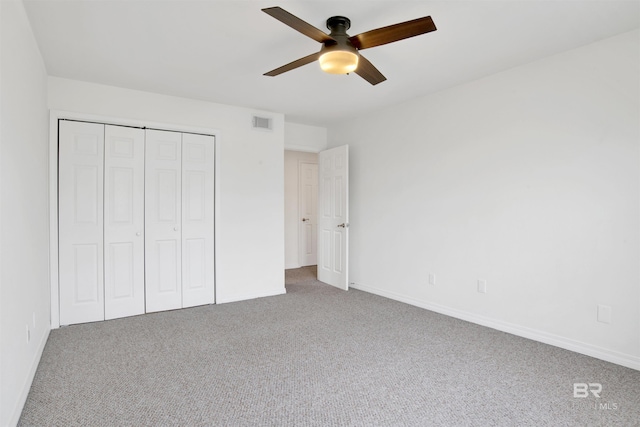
<point x="393" y="33"/>
<point x="367" y="71"/>
<point x="298" y="24"/>
<point x="293" y="65"/>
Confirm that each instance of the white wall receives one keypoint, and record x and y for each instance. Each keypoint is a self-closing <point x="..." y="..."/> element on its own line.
<point x="528" y="179"/>
<point x="292" y="217"/>
<point x="24" y="225"/>
<point x="307" y="138"/>
<point x="249" y="177"/>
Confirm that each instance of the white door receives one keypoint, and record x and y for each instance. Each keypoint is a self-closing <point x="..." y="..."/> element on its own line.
<point x="308" y="208"/>
<point x="333" y="217"/>
<point x="123" y="222"/>
<point x="197" y="220"/>
<point x="80" y="211"/>
<point x="163" y="220"/>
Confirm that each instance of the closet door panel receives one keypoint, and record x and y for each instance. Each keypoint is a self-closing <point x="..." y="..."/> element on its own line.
<point x="197" y="220"/>
<point x="163" y="220"/>
<point x="124" y="222"/>
<point x="80" y="204"/>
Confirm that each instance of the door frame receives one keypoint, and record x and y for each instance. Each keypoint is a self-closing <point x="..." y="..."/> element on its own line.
<point x="54" y="117"/>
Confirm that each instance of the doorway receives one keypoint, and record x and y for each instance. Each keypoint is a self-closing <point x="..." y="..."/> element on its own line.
<point x="301" y="194"/>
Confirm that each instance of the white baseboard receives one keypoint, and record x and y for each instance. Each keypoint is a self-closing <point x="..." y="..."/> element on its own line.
<point x="612" y="356"/>
<point x="242" y="297"/>
<point x="24" y="392"/>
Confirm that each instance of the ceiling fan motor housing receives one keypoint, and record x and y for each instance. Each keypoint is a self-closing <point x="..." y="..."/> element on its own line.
<point x="338" y="55"/>
<point x="339" y="26"/>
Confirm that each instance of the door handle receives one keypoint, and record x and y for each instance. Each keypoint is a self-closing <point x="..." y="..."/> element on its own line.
<point x="305" y="219"/>
<point x="344" y="225"/>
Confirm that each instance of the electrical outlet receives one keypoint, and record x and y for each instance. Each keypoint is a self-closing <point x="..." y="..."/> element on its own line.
<point x="432" y="279"/>
<point x="604" y="313"/>
<point x="28" y="335"/>
<point x="482" y="286"/>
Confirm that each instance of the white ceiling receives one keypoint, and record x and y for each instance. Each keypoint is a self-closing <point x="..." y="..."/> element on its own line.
<point x="218" y="50"/>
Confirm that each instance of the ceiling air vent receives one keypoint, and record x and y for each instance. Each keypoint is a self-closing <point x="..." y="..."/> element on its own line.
<point x="262" y="123"/>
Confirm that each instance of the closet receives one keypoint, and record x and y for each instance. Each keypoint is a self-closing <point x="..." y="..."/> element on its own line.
<point x="136" y="221"/>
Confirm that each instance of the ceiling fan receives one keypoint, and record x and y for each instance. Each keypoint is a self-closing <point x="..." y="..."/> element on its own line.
<point x="340" y="53"/>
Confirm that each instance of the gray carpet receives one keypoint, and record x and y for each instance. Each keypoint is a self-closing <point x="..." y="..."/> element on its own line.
<point x="316" y="356"/>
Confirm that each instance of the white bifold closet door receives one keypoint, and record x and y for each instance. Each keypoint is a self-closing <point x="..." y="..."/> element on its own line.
<point x="197" y="220"/>
<point x="80" y="211"/>
<point x="101" y="221"/>
<point x="123" y="222"/>
<point x="179" y="209"/>
<point x="136" y="221"/>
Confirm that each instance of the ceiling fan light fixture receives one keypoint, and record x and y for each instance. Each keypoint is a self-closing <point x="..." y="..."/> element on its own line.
<point x="340" y="52"/>
<point x="339" y="60"/>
